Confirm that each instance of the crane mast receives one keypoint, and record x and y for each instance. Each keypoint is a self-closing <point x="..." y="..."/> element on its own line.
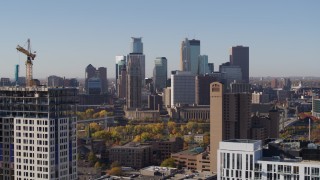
<point x="30" y="57"/>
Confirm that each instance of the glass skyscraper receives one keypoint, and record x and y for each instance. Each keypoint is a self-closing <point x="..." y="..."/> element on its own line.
<point x="190" y="51"/>
<point x="160" y="73"/>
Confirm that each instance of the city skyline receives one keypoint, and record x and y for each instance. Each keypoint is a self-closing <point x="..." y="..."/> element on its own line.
<point x="282" y="36"/>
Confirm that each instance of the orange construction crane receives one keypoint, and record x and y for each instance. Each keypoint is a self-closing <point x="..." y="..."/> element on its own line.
<point x="30" y="56"/>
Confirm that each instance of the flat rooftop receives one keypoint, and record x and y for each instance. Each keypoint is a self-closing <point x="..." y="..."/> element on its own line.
<point x="242" y="141"/>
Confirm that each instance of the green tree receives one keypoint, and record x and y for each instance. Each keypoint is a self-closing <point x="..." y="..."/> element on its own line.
<point x="168" y="163"/>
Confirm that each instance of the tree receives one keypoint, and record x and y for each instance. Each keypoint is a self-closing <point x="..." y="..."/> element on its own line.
<point x="89" y="113"/>
<point x="116" y="171"/>
<point x="94" y="127"/>
<point x="168" y="163"/>
<point x="97" y="165"/>
<point x="115" y="164"/>
<point x="92" y="158"/>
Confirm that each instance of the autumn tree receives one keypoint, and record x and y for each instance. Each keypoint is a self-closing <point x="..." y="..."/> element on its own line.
<point x="168" y="163"/>
<point x="92" y="158"/>
<point x="115" y="171"/>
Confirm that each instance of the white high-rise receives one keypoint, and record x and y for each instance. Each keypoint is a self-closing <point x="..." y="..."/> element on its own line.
<point x="38" y="136"/>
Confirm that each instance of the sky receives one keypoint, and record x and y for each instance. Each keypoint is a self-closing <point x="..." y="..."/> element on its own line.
<point x="283" y="36"/>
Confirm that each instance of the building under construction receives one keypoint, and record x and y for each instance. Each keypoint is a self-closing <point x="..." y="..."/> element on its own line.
<point x="38" y="133"/>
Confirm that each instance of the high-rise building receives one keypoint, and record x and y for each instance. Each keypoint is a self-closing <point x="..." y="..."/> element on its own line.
<point x="230" y="117"/>
<point x="211" y="67"/>
<point x="137" y="53"/>
<point x="120" y="62"/>
<point x="160" y="73"/>
<point x="231" y="74"/>
<point x="134" y="80"/>
<point x="239" y="56"/>
<point x="203" y="67"/>
<point x="122" y="83"/>
<point x="137" y="45"/>
<point x="182" y="88"/>
<point x="101" y="73"/>
<point x="55" y="81"/>
<point x="38" y="133"/>
<point x="203" y="89"/>
<point x="190" y="51"/>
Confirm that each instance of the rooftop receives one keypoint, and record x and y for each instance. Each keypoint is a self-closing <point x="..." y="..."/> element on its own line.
<point x="242" y="141"/>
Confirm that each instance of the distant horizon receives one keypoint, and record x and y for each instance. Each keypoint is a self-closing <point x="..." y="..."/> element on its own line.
<point x="282" y="36"/>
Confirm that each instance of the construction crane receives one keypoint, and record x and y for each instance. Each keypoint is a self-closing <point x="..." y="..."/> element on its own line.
<point x="30" y="57"/>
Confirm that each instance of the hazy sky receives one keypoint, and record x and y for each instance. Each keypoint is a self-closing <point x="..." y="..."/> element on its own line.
<point x="283" y="36"/>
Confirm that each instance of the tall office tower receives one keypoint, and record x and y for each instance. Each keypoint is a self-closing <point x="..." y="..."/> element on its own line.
<point x="211" y="67"/>
<point x="101" y="73"/>
<point x="160" y="73"/>
<point x="90" y="72"/>
<point x="239" y="56"/>
<point x="190" y="51"/>
<point x="122" y="83"/>
<point x="230" y="117"/>
<point x="137" y="45"/>
<point x="38" y="133"/>
<point x="55" y="81"/>
<point x="103" y="77"/>
<point x="230" y="74"/>
<point x="203" y="89"/>
<point x="137" y="52"/>
<point x="120" y="62"/>
<point x="134" y="80"/>
<point x="182" y="88"/>
<point x="203" y="67"/>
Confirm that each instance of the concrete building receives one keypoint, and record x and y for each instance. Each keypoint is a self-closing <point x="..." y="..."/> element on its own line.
<point x="155" y="102"/>
<point x="246" y="159"/>
<point x="203" y="67"/>
<point x="134" y="80"/>
<point x="193" y="159"/>
<point x="239" y="56"/>
<point x="142" y="114"/>
<point x="264" y="127"/>
<point x="190" y="51"/>
<point x="230" y="117"/>
<point x="203" y="89"/>
<point x="167" y="97"/>
<point x="182" y="88"/>
<point x="237" y="87"/>
<point x="315" y="107"/>
<point x="38" y="133"/>
<point x="186" y="112"/>
<point x="260" y="97"/>
<point x="160" y="73"/>
<point x="5" y="82"/>
<point x="133" y="155"/>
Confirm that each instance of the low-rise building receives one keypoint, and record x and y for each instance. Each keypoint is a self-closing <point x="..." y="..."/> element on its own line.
<point x="135" y="155"/>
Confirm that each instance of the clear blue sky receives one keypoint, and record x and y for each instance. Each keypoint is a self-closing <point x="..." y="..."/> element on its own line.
<point x="283" y="36"/>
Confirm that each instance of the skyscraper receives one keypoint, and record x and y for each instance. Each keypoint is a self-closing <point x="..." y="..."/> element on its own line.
<point x="134" y="80"/>
<point x="160" y="73"/>
<point x="203" y="89"/>
<point x="239" y="56"/>
<point x="182" y="88"/>
<point x="230" y="118"/>
<point x="137" y="53"/>
<point x="211" y="67"/>
<point x="120" y="62"/>
<point x="203" y="67"/>
<point x="101" y="73"/>
<point x="137" y="45"/>
<point x="190" y="51"/>
<point x="38" y="133"/>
